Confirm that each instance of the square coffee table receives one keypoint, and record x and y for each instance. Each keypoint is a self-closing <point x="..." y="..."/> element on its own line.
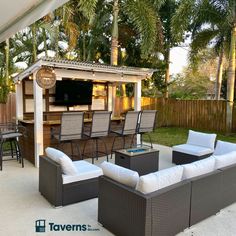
<point x="143" y="160"/>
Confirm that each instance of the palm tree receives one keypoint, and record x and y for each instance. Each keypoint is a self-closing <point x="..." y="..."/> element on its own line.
<point x="7" y="58"/>
<point x="76" y="15"/>
<point x="215" y="32"/>
<point x="144" y="18"/>
<point x="166" y="13"/>
<point x="189" y="10"/>
<point x="34" y="41"/>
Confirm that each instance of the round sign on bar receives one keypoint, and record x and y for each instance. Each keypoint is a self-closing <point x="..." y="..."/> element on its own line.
<point x="46" y="78"/>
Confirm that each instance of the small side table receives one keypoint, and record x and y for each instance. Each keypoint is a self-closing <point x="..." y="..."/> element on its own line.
<point x="142" y="160"/>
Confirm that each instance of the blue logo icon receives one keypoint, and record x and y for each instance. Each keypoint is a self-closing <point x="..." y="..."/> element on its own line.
<point x="40" y="226"/>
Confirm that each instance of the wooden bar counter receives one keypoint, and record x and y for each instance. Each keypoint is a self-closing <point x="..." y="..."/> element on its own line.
<point x="27" y="142"/>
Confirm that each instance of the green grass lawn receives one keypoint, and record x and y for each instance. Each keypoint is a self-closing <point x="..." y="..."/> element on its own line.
<point x="170" y="136"/>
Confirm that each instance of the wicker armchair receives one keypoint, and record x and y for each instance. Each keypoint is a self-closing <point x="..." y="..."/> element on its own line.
<point x="53" y="187"/>
<point x="199" y="146"/>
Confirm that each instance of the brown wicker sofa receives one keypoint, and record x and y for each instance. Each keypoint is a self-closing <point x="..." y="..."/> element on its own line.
<point x="127" y="212"/>
<point x="168" y="211"/>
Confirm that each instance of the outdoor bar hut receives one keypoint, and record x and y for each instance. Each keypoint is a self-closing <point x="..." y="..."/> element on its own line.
<point x="35" y="95"/>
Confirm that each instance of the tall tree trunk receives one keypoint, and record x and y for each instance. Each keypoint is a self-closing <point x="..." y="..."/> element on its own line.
<point x="219" y="75"/>
<point x="34" y="39"/>
<point x="57" y="41"/>
<point x="115" y="34"/>
<point x="167" y="74"/>
<point x="84" y="46"/>
<point x="231" y="80"/>
<point x="7" y="57"/>
<point x="45" y="42"/>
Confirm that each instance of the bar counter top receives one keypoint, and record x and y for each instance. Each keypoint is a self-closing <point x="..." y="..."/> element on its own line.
<point x="58" y="122"/>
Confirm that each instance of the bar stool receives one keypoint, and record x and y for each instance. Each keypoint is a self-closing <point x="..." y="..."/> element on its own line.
<point x="71" y="129"/>
<point x="129" y="128"/>
<point x="9" y="133"/>
<point x="100" y="128"/>
<point x="146" y="124"/>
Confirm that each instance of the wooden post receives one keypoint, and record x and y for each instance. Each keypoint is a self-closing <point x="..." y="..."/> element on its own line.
<point x="137" y="101"/>
<point x="19" y="101"/>
<point x="137" y="96"/>
<point x="38" y="121"/>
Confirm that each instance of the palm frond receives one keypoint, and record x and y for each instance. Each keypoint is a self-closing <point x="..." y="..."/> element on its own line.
<point x="87" y="7"/>
<point x="182" y="19"/>
<point x="200" y="42"/>
<point x="202" y="39"/>
<point x="73" y="33"/>
<point x="144" y="18"/>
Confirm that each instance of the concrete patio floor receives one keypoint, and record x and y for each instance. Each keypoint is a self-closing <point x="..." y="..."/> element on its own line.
<point x="21" y="205"/>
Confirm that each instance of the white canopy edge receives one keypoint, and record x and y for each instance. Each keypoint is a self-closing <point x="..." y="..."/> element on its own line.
<point x="27" y="17"/>
<point x="67" y="65"/>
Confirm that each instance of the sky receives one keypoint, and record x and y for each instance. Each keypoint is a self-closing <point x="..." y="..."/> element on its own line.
<point x="178" y="59"/>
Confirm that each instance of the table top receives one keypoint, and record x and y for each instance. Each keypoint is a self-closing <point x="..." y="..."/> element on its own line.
<point x="137" y="151"/>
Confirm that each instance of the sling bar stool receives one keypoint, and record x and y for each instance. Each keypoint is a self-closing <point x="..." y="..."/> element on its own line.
<point x="129" y="128"/>
<point x="9" y="133"/>
<point x="100" y="128"/>
<point x="71" y="129"/>
<point x="146" y="124"/>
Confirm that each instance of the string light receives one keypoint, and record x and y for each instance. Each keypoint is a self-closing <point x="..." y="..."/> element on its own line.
<point x="93" y="73"/>
<point x="122" y="75"/>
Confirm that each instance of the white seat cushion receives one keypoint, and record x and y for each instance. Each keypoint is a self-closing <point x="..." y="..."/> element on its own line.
<point x="224" y="147"/>
<point x="160" y="179"/>
<point x="120" y="174"/>
<point x="198" y="168"/>
<point x="85" y="171"/>
<point x="201" y="139"/>
<point x="192" y="149"/>
<point x="61" y="158"/>
<point x="225" y="160"/>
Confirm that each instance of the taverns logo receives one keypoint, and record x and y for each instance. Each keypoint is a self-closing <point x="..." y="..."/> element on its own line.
<point x="40" y="227"/>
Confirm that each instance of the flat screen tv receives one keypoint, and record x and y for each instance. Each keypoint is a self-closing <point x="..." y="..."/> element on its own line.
<point x="73" y="92"/>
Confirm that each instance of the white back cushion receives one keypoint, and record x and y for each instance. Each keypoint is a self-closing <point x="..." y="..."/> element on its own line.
<point x="53" y="154"/>
<point x="224" y="147"/>
<point x="61" y="158"/>
<point x="201" y="139"/>
<point x="160" y="179"/>
<point x="120" y="174"/>
<point x="225" y="160"/>
<point x="198" y="168"/>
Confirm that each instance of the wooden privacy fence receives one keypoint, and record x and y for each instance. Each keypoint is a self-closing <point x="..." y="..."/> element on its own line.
<point x="8" y="110"/>
<point x="195" y="114"/>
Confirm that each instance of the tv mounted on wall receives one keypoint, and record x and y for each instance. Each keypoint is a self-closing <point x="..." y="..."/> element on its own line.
<point x="73" y="92"/>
